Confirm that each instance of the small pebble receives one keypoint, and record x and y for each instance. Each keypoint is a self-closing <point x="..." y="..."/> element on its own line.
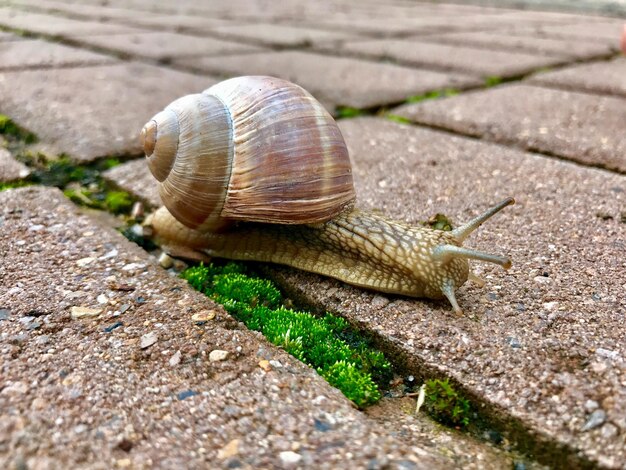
<point x="186" y="394"/>
<point x="290" y="458"/>
<point x="102" y="299"/>
<point x="265" y="365"/>
<point x="148" y="340"/>
<point x="85" y="261"/>
<point x="124" y="307"/>
<point x="137" y="213"/>
<point x="43" y="339"/>
<point x="15" y="388"/>
<point x="81" y="312"/>
<point x="591" y="405"/>
<point x="513" y="342"/>
<point x="110" y="254"/>
<point x="218" y="355"/>
<point x="203" y="317"/>
<point x="166" y="261"/>
<point x="229" y="450"/>
<point x="115" y="325"/>
<point x="175" y="359"/>
<point x="597" y="418"/>
<point x="4" y="313"/>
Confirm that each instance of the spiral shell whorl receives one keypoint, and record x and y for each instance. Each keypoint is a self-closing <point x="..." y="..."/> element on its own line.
<point x="191" y="158"/>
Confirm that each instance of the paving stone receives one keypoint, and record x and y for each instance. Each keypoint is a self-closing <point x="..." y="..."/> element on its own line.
<point x="36" y="53"/>
<point x="95" y="111"/>
<point x="493" y="40"/>
<point x="113" y="404"/>
<point x="57" y="25"/>
<point x="448" y="57"/>
<point x="581" y="127"/>
<point x="95" y="12"/>
<point x="335" y="80"/>
<point x="607" y="32"/>
<point x="180" y="23"/>
<point x="600" y="77"/>
<point x="428" y="23"/>
<point x="135" y="177"/>
<point x="6" y="36"/>
<point x="166" y="46"/>
<point x="283" y="35"/>
<point x="538" y="341"/>
<point x="11" y="169"/>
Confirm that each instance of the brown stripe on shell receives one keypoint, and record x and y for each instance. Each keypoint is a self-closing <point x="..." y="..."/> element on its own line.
<point x="195" y="187"/>
<point x="290" y="162"/>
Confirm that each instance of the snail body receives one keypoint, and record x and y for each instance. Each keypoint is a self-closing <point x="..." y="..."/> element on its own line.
<point x="254" y="168"/>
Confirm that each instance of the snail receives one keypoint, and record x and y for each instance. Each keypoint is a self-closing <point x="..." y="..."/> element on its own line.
<point x="254" y="168"/>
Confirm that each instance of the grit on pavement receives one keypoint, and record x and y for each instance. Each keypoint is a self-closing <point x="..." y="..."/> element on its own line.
<point x="445" y="108"/>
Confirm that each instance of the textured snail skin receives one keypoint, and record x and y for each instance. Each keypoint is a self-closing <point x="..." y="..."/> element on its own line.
<point x="360" y="248"/>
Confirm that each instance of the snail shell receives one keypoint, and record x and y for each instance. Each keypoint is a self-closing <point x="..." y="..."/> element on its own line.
<point x="254" y="148"/>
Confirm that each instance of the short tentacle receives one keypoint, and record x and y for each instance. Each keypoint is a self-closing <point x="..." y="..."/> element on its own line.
<point x="448" y="291"/>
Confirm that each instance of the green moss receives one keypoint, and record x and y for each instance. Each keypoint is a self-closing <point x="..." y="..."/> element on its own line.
<point x="344" y="112"/>
<point x="439" y="222"/>
<point x="355" y="386"/>
<point x="62" y="171"/>
<point x="109" y="163"/>
<point x="493" y="80"/>
<point x="396" y="118"/>
<point x="432" y="95"/>
<point x="446" y="404"/>
<point x="135" y="237"/>
<point x="10" y="129"/>
<point x="13" y="184"/>
<point x="118" y="202"/>
<point x="328" y="343"/>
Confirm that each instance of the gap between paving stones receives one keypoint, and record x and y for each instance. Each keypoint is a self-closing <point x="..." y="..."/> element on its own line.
<point x="523" y="439"/>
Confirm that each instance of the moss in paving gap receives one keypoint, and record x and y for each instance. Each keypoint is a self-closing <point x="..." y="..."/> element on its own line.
<point x="398" y="119"/>
<point x="13" y="184"/>
<point x="346" y="112"/>
<point x="446" y="404"/>
<point x="339" y="354"/>
<point x="493" y="80"/>
<point x="433" y="95"/>
<point x="12" y="131"/>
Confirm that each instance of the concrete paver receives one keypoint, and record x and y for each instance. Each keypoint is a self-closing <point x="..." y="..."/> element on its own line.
<point x="166" y="46"/>
<point x="11" y="169"/>
<point x="132" y="386"/>
<point x="6" y="36"/>
<point x="577" y="126"/>
<point x="36" y="53"/>
<point x="180" y="23"/>
<point x="335" y="80"/>
<point x="600" y="77"/>
<point x="452" y="57"/>
<point x="607" y="32"/>
<point x="541" y="344"/>
<point x="135" y="177"/>
<point x="86" y="112"/>
<point x="283" y="35"/>
<point x="495" y="40"/>
<point x="58" y="25"/>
